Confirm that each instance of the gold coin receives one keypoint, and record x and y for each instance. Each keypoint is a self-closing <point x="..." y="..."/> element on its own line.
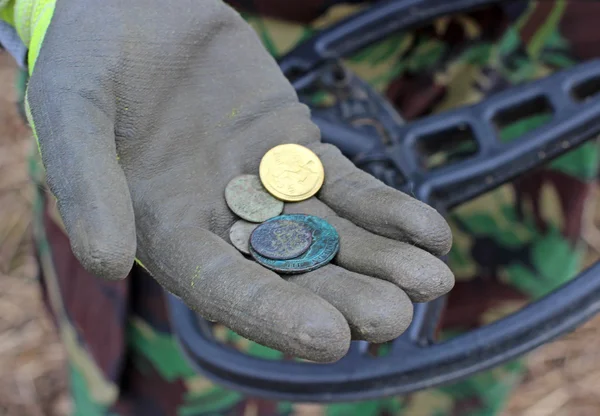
<point x="291" y="172"/>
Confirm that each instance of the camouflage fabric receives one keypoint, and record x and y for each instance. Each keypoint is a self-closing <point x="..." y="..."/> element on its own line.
<point x="511" y="245"/>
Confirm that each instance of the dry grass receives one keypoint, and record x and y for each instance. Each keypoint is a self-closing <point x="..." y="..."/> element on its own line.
<point x="32" y="381"/>
<point x="563" y="379"/>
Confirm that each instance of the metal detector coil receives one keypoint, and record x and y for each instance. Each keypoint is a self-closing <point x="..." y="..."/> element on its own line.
<point x="389" y="148"/>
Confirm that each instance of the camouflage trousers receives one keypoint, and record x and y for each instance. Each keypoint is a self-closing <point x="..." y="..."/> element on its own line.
<point x="511" y="245"/>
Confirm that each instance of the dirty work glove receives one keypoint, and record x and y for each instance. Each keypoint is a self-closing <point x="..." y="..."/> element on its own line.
<point x="145" y="110"/>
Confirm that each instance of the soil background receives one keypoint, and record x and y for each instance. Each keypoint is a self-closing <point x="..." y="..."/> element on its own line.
<point x="563" y="377"/>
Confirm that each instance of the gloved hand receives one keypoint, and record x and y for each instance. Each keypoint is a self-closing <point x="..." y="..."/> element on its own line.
<point x="145" y="110"/>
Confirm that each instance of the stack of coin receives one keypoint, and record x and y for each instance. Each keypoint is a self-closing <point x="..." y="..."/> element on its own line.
<point x="287" y="244"/>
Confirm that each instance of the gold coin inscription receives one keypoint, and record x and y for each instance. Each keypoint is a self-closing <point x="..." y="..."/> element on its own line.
<point x="291" y="172"/>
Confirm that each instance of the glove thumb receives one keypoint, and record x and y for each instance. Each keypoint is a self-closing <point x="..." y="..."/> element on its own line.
<point x="74" y="126"/>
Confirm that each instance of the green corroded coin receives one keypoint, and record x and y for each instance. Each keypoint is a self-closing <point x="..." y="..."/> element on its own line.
<point x="281" y="238"/>
<point x="324" y="247"/>
<point x="239" y="235"/>
<point x="249" y="200"/>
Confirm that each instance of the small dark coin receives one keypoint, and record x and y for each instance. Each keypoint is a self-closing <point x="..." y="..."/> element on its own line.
<point x="239" y="235"/>
<point x="249" y="200"/>
<point x="281" y="239"/>
<point x="324" y="247"/>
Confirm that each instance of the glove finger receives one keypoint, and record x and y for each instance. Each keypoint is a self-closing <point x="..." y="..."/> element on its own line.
<point x="376" y="311"/>
<point x="421" y="275"/>
<point x="216" y="281"/>
<point x="372" y="205"/>
<point x="75" y="132"/>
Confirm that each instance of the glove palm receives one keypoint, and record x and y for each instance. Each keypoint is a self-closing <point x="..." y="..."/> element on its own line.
<point x="144" y="112"/>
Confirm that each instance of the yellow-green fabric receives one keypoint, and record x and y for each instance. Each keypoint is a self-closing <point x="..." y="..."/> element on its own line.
<point x="31" y="19"/>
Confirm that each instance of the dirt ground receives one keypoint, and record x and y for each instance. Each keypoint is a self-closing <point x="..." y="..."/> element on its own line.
<point x="563" y="378"/>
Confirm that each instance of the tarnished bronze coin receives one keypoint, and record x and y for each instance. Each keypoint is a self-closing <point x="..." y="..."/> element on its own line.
<point x="239" y="235"/>
<point x="249" y="200"/>
<point x="291" y="172"/>
<point x="324" y="247"/>
<point x="281" y="239"/>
